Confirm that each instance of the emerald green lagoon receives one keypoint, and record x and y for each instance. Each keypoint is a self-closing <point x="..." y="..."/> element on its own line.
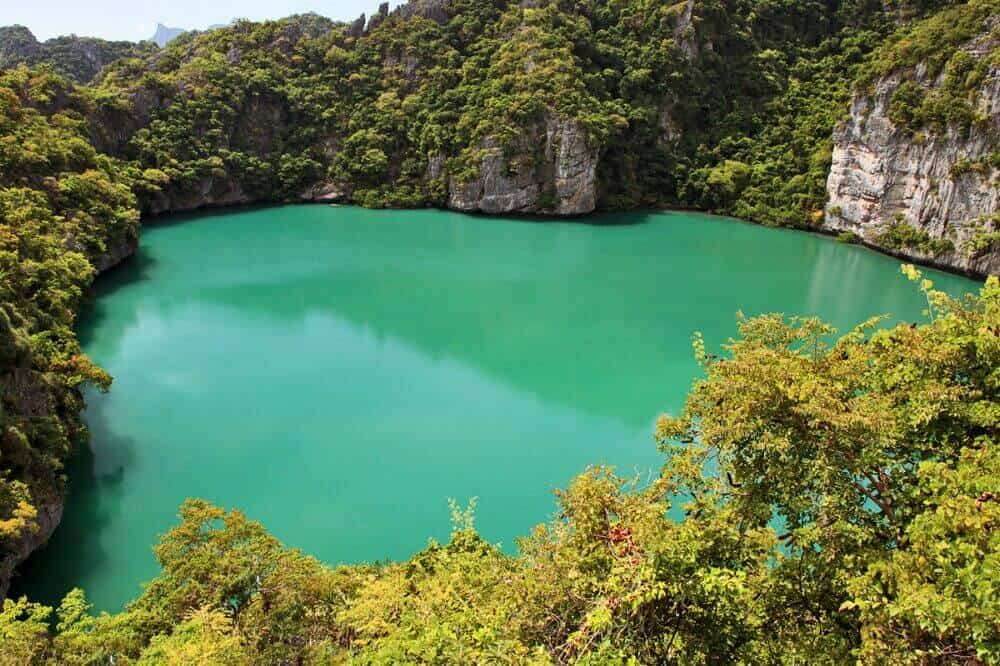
<point x="340" y="373"/>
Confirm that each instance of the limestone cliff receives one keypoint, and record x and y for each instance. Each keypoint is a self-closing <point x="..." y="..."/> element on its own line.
<point x="552" y="170"/>
<point x="210" y="192"/>
<point x="930" y="194"/>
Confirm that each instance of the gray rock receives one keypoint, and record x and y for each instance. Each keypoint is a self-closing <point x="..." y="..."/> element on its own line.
<point x="376" y="20"/>
<point x="575" y="167"/>
<point x="434" y="10"/>
<point x="210" y="192"/>
<point x="881" y="174"/>
<point x="117" y="254"/>
<point x="357" y="29"/>
<point x="685" y="35"/>
<point x="49" y="516"/>
<point x="670" y="127"/>
<point x="324" y="193"/>
<point x="435" y="166"/>
<point x="556" y="176"/>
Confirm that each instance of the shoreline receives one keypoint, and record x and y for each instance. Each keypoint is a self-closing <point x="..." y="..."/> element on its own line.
<point x="591" y="218"/>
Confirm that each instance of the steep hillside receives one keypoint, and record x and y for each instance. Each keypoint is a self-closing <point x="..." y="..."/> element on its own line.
<point x="538" y="109"/>
<point x="78" y="58"/>
<point x="65" y="213"/>
<point x="548" y="109"/>
<point x="494" y="106"/>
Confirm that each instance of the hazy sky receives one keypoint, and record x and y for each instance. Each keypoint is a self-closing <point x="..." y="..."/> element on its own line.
<point x="137" y="19"/>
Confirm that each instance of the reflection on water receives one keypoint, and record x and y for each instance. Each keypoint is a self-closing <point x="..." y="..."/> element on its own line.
<point x="339" y="374"/>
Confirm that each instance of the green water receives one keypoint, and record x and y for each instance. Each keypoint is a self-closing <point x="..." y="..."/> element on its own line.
<point x="340" y="373"/>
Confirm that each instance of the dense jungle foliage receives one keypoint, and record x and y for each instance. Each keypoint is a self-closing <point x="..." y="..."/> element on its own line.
<point x="873" y="453"/>
<point x="64" y="209"/>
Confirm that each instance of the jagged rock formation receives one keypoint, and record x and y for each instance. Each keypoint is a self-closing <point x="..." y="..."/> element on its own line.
<point x="554" y="175"/>
<point x="18" y="44"/>
<point x="376" y="19"/>
<point x="943" y="185"/>
<point x="79" y="58"/>
<point x="435" y="10"/>
<point x="324" y="193"/>
<point x="357" y="28"/>
<point x="685" y="34"/>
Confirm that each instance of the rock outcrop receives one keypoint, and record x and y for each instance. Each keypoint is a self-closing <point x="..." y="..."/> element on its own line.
<point x="685" y="34"/>
<point x="377" y="19"/>
<point x="434" y="10"/>
<point x="357" y="28"/>
<point x="49" y="516"/>
<point x="210" y="192"/>
<point x="552" y="170"/>
<point x="324" y="193"/>
<point x="944" y="185"/>
<point x="79" y="58"/>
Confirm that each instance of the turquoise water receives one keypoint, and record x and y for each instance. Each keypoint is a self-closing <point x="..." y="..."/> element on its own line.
<point x="339" y="373"/>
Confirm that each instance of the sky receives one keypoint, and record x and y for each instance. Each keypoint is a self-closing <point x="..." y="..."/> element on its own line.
<point x="136" y="19"/>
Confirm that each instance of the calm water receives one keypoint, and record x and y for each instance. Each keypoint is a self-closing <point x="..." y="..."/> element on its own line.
<point x="339" y="373"/>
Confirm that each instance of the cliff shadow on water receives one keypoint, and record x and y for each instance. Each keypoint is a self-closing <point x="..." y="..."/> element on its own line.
<point x="93" y="503"/>
<point x="133" y="270"/>
<point x="90" y="506"/>
<point x="169" y="219"/>
<point x="597" y="218"/>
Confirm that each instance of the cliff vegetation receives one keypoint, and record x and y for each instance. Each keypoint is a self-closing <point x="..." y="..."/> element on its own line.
<point x="874" y="453"/>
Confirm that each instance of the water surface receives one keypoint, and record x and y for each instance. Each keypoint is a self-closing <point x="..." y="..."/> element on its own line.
<point x="340" y="373"/>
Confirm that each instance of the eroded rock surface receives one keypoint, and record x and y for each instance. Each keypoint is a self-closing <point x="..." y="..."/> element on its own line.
<point x="49" y="516"/>
<point x="942" y="184"/>
<point x="552" y="170"/>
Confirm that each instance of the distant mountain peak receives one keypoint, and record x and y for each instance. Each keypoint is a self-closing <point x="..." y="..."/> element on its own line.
<point x="164" y="34"/>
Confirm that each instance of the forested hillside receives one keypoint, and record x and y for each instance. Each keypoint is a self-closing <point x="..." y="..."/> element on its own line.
<point x="877" y="121"/>
<point x="875" y="454"/>
<point x="78" y="58"/>
<point x="66" y="213"/>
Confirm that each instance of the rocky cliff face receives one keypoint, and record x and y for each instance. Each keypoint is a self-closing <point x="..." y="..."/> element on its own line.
<point x="210" y="192"/>
<point x="434" y="10"/>
<point x="944" y="186"/>
<point x="48" y="519"/>
<point x="79" y="58"/>
<point x="18" y="44"/>
<point x="551" y="171"/>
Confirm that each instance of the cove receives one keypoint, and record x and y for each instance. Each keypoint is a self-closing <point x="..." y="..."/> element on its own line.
<point x="340" y="373"/>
